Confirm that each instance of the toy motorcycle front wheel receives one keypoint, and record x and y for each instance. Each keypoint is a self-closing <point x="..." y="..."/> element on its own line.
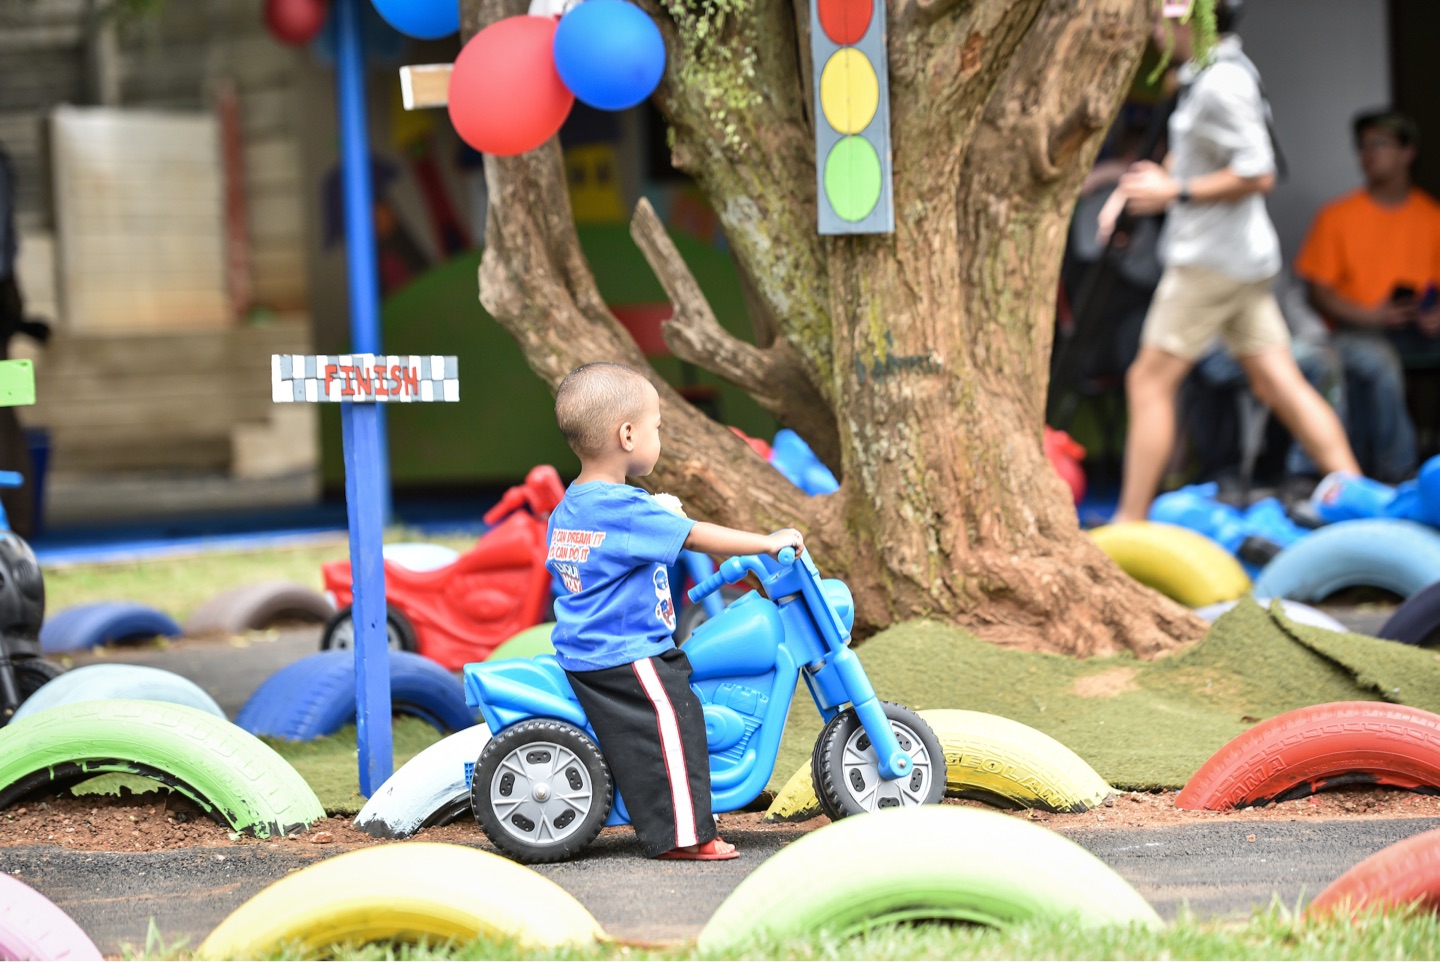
<point x="541" y="790"/>
<point x="846" y="772"/>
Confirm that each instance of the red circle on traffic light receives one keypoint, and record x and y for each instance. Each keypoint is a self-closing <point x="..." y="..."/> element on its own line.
<point x="845" y="21"/>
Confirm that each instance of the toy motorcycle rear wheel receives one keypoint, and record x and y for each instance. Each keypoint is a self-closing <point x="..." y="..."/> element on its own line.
<point x="340" y="631"/>
<point x="541" y="790"/>
<point x="31" y="674"/>
<point x="846" y="772"/>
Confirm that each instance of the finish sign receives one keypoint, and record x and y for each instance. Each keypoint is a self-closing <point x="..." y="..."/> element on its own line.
<point x="396" y="378"/>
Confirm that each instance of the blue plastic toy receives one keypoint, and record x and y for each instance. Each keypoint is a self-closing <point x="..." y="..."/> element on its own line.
<point x="1254" y="536"/>
<point x="541" y="788"/>
<point x="792" y="457"/>
<point x="1346" y="497"/>
<point x="1419" y="500"/>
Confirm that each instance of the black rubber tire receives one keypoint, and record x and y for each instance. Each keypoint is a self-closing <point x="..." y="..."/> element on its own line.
<point x="340" y="631"/>
<point x="256" y="607"/>
<point x="843" y="765"/>
<point x="585" y="771"/>
<point x="31" y="674"/>
<point x="1417" y="621"/>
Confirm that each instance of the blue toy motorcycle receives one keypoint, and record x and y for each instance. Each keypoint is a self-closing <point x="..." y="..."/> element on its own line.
<point x="542" y="791"/>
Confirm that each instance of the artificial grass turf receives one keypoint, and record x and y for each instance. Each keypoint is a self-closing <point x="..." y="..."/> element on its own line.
<point x="1140" y="725"/>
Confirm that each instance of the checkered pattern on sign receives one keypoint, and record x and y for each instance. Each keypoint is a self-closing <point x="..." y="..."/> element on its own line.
<point x="393" y="378"/>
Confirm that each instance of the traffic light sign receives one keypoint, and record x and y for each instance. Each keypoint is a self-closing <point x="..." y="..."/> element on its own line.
<point x="852" y="117"/>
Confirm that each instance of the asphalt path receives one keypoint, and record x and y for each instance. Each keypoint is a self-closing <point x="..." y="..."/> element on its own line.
<point x="1214" y="868"/>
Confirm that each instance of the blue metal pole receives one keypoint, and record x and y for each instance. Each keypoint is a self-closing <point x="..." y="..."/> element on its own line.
<point x="359" y="423"/>
<point x="367" y="472"/>
<point x="359" y="202"/>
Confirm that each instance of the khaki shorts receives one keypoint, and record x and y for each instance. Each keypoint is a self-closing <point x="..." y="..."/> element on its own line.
<point x="1194" y="305"/>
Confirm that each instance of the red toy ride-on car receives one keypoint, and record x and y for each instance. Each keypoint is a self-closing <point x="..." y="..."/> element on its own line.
<point x="458" y="613"/>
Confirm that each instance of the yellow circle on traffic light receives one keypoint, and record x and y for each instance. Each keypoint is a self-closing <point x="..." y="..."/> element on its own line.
<point x="849" y="91"/>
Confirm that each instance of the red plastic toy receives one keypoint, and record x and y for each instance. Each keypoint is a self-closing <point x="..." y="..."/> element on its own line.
<point x="1066" y="455"/>
<point x="459" y="613"/>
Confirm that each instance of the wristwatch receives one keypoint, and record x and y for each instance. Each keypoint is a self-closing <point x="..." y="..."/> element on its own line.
<point x="1184" y="196"/>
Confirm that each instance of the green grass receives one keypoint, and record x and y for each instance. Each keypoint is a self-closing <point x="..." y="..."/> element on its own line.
<point x="1275" y="933"/>
<point x="177" y="586"/>
<point x="328" y="764"/>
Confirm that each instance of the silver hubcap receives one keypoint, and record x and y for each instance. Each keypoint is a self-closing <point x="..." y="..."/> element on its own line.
<point x="344" y="635"/>
<point x="860" y="771"/>
<point x="541" y="792"/>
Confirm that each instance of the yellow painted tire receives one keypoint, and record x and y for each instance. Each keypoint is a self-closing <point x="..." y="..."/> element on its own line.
<point x="404" y="892"/>
<point x="989" y="758"/>
<point x="1180" y="564"/>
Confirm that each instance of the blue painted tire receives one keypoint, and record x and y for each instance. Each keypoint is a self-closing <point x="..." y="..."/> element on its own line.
<point x="1399" y="556"/>
<point x="1417" y="621"/>
<point x="89" y="626"/>
<point x="315" y="696"/>
<point x="130" y="682"/>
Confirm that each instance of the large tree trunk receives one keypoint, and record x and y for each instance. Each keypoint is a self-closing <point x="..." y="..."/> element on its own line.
<point x="915" y="363"/>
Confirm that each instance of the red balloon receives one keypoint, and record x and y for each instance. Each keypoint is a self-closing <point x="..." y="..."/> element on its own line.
<point x="505" y="95"/>
<point x="295" y="22"/>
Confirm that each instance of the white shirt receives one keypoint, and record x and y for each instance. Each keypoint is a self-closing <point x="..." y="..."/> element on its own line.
<point x="1220" y="123"/>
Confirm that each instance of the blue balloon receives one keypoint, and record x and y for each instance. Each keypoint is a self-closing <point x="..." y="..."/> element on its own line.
<point x="609" y="53"/>
<point x="421" y="19"/>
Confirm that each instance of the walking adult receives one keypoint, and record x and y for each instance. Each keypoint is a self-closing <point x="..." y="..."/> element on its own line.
<point x="1221" y="255"/>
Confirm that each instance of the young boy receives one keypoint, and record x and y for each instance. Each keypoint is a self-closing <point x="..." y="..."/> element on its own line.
<point x="611" y="544"/>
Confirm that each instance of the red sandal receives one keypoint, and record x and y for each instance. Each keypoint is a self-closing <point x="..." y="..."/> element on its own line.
<point x="709" y="852"/>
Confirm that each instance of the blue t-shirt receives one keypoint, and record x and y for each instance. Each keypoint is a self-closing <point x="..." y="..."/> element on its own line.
<point x="612" y="545"/>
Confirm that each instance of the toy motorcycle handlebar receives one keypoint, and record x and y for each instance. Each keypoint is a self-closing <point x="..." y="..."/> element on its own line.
<point x="733" y="569"/>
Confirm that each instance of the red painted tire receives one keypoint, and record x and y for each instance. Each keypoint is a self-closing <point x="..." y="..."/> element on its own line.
<point x="1322" y="746"/>
<point x="1406" y="873"/>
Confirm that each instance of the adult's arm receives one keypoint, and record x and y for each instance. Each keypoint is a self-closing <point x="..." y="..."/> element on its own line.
<point x="1341" y="309"/>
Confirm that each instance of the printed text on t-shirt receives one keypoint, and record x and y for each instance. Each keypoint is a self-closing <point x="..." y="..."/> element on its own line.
<point x="571" y="545"/>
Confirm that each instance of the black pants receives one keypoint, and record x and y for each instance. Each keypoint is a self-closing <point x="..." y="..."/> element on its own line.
<point x="651" y="729"/>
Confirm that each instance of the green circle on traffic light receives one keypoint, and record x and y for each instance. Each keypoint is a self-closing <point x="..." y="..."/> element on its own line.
<point x="852" y="178"/>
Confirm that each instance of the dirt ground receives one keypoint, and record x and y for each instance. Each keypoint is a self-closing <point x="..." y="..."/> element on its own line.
<point x="156" y="821"/>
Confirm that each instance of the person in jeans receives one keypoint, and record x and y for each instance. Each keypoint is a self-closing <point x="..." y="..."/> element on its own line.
<point x="1372" y="262"/>
<point x="1221" y="255"/>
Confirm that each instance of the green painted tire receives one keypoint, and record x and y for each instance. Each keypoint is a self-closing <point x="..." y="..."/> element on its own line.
<point x="932" y="862"/>
<point x="231" y="774"/>
<point x="533" y="641"/>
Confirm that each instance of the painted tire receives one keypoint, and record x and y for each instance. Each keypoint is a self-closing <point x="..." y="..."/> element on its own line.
<point x="389" y="892"/>
<point x="230" y="774"/>
<point x="933" y="862"/>
<point x="1322" y="746"/>
<point x="433" y="788"/>
<point x="533" y="641"/>
<point x="1175" y="561"/>
<point x="1417" y="621"/>
<point x="89" y="626"/>
<point x="255" y="607"/>
<point x="315" y="696"/>
<point x="1399" y="556"/>
<point x="131" y="682"/>
<point x="987" y="758"/>
<point x="1406" y="873"/>
<point x="33" y="927"/>
<point x="1294" y="610"/>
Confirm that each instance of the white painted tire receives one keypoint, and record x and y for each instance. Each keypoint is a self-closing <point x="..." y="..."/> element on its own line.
<point x="1300" y="613"/>
<point x="131" y="682"/>
<point x="433" y="788"/>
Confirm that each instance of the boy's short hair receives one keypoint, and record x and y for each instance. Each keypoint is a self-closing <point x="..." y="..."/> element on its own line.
<point x="1389" y="119"/>
<point x="595" y="398"/>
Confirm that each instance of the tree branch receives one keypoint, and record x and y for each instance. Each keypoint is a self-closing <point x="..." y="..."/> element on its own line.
<point x="773" y="376"/>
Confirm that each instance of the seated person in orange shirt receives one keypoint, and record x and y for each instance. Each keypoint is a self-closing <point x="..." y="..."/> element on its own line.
<point x="1372" y="262"/>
